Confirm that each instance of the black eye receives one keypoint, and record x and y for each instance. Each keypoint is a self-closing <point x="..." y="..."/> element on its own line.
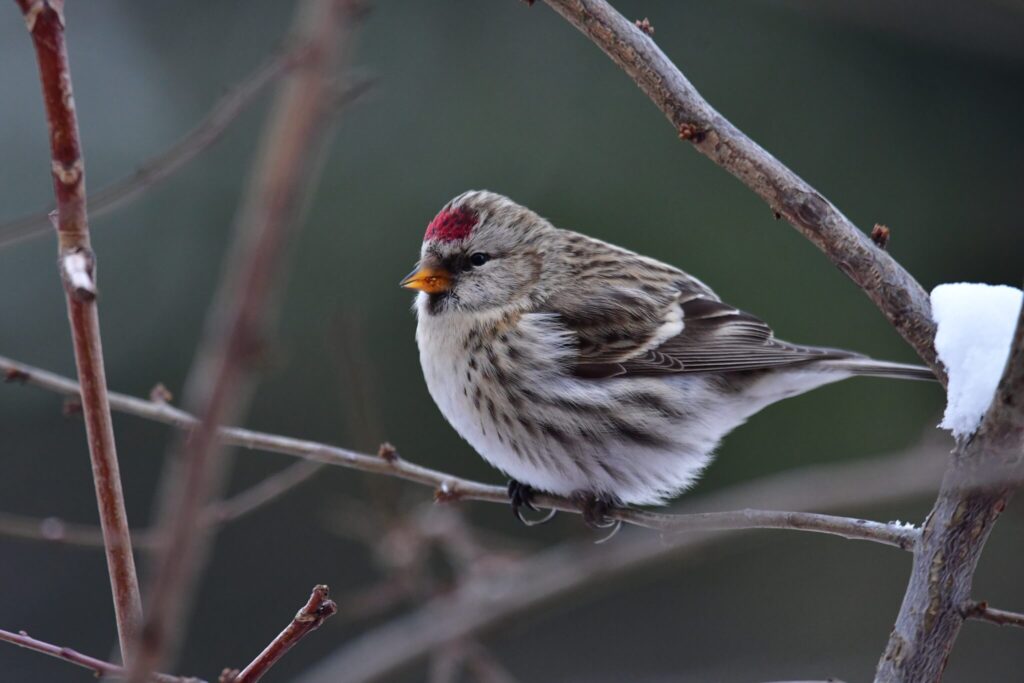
<point x="478" y="259"/>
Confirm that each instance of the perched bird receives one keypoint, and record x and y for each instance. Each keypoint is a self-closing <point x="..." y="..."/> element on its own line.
<point x="583" y="369"/>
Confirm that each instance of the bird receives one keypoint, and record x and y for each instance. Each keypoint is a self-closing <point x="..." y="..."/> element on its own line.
<point x="582" y="369"/>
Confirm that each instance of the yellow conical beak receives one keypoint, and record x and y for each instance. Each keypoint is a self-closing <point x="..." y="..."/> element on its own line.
<point x="428" y="279"/>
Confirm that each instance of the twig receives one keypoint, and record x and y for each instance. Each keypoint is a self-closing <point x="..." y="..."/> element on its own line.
<point x="491" y="599"/>
<point x="318" y="608"/>
<point x="954" y="534"/>
<point x="219" y="383"/>
<point x="485" y="667"/>
<point x="450" y="488"/>
<point x="98" y="666"/>
<point x="56" y="530"/>
<point x="982" y="612"/>
<point x="898" y="535"/>
<point x="200" y="138"/>
<point x="266" y="491"/>
<point x="889" y="286"/>
<point x="45" y="24"/>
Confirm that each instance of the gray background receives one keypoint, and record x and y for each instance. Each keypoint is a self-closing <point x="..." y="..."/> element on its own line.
<point x="907" y="115"/>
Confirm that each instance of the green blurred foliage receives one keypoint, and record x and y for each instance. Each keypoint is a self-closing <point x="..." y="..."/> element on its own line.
<point x="908" y="115"/>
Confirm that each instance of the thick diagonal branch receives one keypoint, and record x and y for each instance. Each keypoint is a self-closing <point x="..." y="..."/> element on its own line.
<point x="889" y="286"/>
<point x="984" y="470"/>
<point x="45" y="23"/>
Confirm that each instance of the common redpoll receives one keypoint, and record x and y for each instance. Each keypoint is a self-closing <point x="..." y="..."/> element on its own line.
<point x="582" y="369"/>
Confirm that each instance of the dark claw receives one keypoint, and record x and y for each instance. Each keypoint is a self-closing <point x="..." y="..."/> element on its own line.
<point x="521" y="496"/>
<point x="595" y="509"/>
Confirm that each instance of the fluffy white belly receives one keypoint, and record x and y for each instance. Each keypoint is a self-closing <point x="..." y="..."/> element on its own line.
<point x="640" y="439"/>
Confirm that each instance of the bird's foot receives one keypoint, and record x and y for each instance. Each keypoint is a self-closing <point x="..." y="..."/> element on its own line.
<point x="595" y="509"/>
<point x="521" y="496"/>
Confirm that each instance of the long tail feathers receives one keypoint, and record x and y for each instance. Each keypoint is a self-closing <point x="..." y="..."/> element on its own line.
<point x="869" y="367"/>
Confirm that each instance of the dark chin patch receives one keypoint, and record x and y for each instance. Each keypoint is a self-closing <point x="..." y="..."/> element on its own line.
<point x="438" y="303"/>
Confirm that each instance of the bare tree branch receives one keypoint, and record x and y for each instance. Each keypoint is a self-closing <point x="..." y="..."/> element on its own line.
<point x="220" y="381"/>
<point x="450" y="488"/>
<point x="489" y="600"/>
<point x="266" y="491"/>
<point x="451" y="660"/>
<point x="45" y="23"/>
<point x="982" y="612"/>
<point x="318" y="608"/>
<point x="969" y="501"/>
<point x="56" y="530"/>
<point x="890" y="287"/>
<point x="200" y="138"/>
<point x="484" y="666"/>
<point x="98" y="666"/>
<point x="955" y="532"/>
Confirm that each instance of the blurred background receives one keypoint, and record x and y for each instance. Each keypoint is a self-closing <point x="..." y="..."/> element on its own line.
<point x="906" y="114"/>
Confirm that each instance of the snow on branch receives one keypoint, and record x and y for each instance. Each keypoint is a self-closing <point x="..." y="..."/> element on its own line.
<point x="975" y="328"/>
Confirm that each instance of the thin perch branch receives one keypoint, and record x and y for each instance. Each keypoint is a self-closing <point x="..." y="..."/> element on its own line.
<point x="317" y="609"/>
<point x="889" y="286"/>
<point x="45" y="23"/>
<point x="450" y="488"/>
<point x="489" y="600"/>
<point x="98" y="666"/>
<point x="220" y="382"/>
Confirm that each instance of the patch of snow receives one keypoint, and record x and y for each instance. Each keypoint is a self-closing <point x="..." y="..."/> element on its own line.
<point x="975" y="328"/>
<point x="910" y="526"/>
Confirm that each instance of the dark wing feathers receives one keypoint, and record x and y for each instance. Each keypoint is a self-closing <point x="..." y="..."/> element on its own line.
<point x="618" y="304"/>
<point x="716" y="338"/>
<point x="613" y="324"/>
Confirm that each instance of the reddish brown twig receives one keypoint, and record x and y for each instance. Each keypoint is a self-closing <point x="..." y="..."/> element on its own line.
<point x="219" y="384"/>
<point x="98" y="666"/>
<point x="45" y="23"/>
<point x="318" y="608"/>
<point x="982" y="612"/>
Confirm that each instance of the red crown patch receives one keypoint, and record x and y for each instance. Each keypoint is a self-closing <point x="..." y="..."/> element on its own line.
<point x="451" y="225"/>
